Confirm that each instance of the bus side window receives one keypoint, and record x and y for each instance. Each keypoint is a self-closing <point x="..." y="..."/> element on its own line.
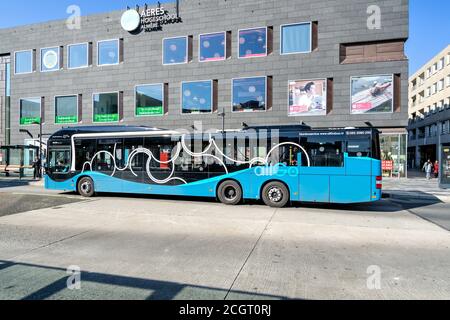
<point x="323" y="151"/>
<point x="359" y="147"/>
<point x="106" y="153"/>
<point x="162" y="149"/>
<point x="130" y="145"/>
<point x="84" y="151"/>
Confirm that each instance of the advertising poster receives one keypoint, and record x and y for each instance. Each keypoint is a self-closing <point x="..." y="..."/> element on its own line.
<point x="308" y="97"/>
<point x="372" y="94"/>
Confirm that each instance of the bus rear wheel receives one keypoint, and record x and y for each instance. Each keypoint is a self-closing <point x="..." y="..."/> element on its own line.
<point x="86" y="187"/>
<point x="229" y="192"/>
<point x="275" y="194"/>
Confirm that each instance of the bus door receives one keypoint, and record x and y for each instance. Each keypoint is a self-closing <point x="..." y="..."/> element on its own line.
<point x="321" y="166"/>
<point x="360" y="174"/>
<point x="105" y="162"/>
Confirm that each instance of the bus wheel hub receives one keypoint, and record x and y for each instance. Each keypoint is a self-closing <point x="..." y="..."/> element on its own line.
<point x="275" y="195"/>
<point x="230" y="193"/>
<point x="86" y="187"/>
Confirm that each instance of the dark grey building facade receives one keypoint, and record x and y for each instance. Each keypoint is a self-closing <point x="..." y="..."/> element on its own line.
<point x="429" y="139"/>
<point x="341" y="39"/>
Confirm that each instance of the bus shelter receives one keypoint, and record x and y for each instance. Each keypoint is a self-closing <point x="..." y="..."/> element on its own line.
<point x="18" y="160"/>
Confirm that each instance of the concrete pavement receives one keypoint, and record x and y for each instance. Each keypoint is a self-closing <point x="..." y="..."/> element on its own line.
<point x="139" y="248"/>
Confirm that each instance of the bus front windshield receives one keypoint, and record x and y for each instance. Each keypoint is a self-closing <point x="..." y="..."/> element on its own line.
<point x="59" y="160"/>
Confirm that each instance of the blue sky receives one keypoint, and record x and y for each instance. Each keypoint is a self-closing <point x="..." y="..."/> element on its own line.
<point x="429" y="31"/>
<point x="429" y="20"/>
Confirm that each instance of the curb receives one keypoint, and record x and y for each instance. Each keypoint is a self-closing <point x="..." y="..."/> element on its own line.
<point x="412" y="195"/>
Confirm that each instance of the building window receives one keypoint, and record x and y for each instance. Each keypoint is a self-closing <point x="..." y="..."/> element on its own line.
<point x="212" y="47"/>
<point x="440" y="85"/>
<point x="253" y="43"/>
<point x="66" y="109"/>
<point x="197" y="97"/>
<point x="441" y="64"/>
<point x="50" y="59"/>
<point x="250" y="94"/>
<point x="30" y="111"/>
<point x="106" y="107"/>
<point x="296" y="38"/>
<point x="150" y="100"/>
<point x="108" y="52"/>
<point x="308" y="97"/>
<point x="175" y="50"/>
<point x="78" y="56"/>
<point x="372" y="94"/>
<point x="24" y="62"/>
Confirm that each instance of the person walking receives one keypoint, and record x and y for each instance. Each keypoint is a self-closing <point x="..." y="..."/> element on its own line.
<point x="428" y="167"/>
<point x="37" y="169"/>
<point x="436" y="169"/>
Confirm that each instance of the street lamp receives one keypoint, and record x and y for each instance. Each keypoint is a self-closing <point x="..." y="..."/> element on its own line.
<point x="222" y="114"/>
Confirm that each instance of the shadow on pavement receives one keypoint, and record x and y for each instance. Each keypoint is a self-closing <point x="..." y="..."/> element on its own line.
<point x="104" y="286"/>
<point x="18" y="203"/>
<point x="14" y="183"/>
<point x="384" y="205"/>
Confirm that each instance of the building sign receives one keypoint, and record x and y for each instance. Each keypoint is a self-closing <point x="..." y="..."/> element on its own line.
<point x="106" y="118"/>
<point x="372" y="94"/>
<point x="30" y="120"/>
<point x="66" y="119"/>
<point x="308" y="97"/>
<point x="387" y="165"/>
<point x="50" y="59"/>
<point x="149" y="20"/>
<point x="150" y="111"/>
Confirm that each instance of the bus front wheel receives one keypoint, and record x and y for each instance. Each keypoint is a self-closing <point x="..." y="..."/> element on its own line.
<point x="86" y="187"/>
<point x="229" y="192"/>
<point x="275" y="194"/>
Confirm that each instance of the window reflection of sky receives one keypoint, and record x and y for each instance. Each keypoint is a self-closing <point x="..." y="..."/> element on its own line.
<point x="212" y="47"/>
<point x="78" y="55"/>
<point x="249" y="94"/>
<point x="197" y="97"/>
<point x="253" y="43"/>
<point x="175" y="50"/>
<point x="108" y="52"/>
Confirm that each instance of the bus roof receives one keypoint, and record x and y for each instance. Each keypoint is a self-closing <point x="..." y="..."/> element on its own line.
<point x="66" y="133"/>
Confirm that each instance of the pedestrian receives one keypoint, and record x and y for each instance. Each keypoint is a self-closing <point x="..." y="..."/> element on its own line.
<point x="37" y="168"/>
<point x="428" y="167"/>
<point x="436" y="169"/>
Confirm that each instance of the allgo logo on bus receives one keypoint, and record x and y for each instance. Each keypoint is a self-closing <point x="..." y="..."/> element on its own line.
<point x="277" y="171"/>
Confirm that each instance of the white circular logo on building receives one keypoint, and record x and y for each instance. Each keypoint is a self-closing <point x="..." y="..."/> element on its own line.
<point x="131" y="20"/>
<point x="50" y="59"/>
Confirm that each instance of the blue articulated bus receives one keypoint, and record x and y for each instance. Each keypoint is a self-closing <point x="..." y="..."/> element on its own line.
<point x="275" y="164"/>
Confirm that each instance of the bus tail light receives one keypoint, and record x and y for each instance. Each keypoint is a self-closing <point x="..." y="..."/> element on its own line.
<point x="379" y="182"/>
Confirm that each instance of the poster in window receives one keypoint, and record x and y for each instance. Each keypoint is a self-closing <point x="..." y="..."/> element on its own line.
<point x="308" y="97"/>
<point x="372" y="94"/>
